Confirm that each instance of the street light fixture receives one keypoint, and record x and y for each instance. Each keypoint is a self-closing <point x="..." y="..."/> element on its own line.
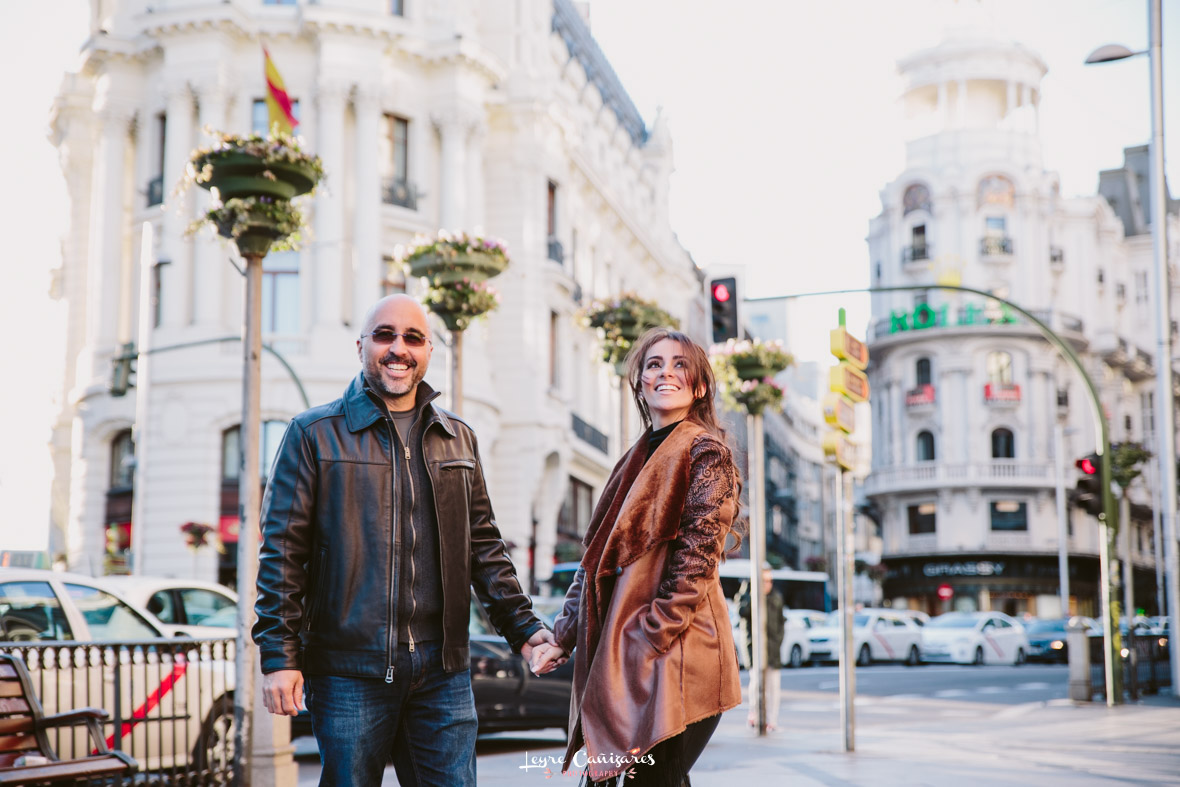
<point x="1165" y="426"/>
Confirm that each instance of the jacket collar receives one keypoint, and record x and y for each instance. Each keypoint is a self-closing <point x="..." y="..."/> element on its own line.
<point x="361" y="411"/>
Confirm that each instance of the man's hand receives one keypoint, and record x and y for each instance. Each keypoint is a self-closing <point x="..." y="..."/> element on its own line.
<point x="543" y="635"/>
<point x="282" y="692"/>
<point x="546" y="658"/>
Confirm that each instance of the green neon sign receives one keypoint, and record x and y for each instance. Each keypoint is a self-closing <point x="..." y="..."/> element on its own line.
<point x="926" y="316"/>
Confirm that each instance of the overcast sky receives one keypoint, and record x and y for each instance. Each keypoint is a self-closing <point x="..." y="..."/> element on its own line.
<point x="784" y="124"/>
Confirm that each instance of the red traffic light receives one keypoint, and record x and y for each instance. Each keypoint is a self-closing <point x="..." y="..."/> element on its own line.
<point x="720" y="292"/>
<point x="1088" y="465"/>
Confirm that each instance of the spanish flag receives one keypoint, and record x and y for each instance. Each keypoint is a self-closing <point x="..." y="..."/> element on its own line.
<point x="278" y="103"/>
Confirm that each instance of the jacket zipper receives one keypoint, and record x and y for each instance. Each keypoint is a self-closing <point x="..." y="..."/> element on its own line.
<point x="413" y="544"/>
<point x="391" y="640"/>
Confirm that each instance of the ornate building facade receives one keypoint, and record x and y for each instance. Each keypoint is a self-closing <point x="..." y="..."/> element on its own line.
<point x="501" y="116"/>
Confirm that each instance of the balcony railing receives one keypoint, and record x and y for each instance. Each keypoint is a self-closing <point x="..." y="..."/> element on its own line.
<point x="155" y="191"/>
<point x="587" y="433"/>
<point x="922" y="396"/>
<point x="915" y="253"/>
<point x="932" y="475"/>
<point x="1001" y="393"/>
<point x="397" y="191"/>
<point x="995" y="246"/>
<point x="556" y="252"/>
<point x="1056" y="256"/>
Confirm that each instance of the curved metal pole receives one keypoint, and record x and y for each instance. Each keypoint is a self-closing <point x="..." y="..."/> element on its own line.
<point x="1108" y="519"/>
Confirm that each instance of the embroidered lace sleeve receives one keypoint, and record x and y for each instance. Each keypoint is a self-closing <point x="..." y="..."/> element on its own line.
<point x="712" y="483"/>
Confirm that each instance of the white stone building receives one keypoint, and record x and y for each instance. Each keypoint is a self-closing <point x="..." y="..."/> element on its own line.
<point x="966" y="395"/>
<point x="500" y="115"/>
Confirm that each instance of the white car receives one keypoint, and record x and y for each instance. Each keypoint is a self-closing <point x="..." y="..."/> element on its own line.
<point x="879" y="634"/>
<point x="184" y="607"/>
<point x="176" y="696"/>
<point x="975" y="638"/>
<point x="798" y="625"/>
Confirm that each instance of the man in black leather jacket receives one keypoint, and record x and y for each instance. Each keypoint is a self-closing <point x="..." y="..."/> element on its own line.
<point x="376" y="525"/>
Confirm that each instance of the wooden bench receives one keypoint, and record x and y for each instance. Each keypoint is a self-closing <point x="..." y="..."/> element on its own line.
<point x="22" y="732"/>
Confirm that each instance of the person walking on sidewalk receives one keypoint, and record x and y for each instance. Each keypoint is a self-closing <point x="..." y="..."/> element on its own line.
<point x="656" y="663"/>
<point x="771" y="677"/>
<point x="376" y="525"/>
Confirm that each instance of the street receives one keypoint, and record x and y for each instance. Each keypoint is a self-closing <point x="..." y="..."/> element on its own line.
<point x="915" y="725"/>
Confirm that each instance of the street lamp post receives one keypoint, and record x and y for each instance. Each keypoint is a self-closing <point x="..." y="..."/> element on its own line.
<point x="1164" y="404"/>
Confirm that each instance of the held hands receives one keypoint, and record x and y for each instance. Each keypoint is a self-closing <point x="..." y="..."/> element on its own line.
<point x="546" y="658"/>
<point x="282" y="692"/>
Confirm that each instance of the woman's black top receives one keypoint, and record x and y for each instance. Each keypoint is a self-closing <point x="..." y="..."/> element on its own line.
<point x="657" y="437"/>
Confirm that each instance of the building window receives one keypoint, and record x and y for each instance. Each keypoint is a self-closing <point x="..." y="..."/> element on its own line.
<point x="921" y="518"/>
<point x="918" y="238"/>
<point x="1009" y="515"/>
<point x="554" y="355"/>
<point x="925" y="446"/>
<point x="119" y="502"/>
<point x="397" y="7"/>
<point x="555" y="251"/>
<point x="999" y="368"/>
<point x="922" y="371"/>
<point x="231" y="463"/>
<point x="260" y="114"/>
<point x="393" y="278"/>
<point x="155" y="185"/>
<point x="280" y="293"/>
<point x="574" y="517"/>
<point x="996" y="226"/>
<point x="1003" y="444"/>
<point x="278" y="2"/>
<point x="1141" y="292"/>
<point x="394" y="156"/>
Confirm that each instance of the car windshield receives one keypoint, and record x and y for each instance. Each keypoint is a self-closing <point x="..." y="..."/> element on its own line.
<point x="1046" y="626"/>
<point x="951" y="622"/>
<point x="859" y="620"/>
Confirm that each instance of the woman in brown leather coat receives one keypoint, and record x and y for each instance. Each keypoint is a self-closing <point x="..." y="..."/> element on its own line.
<point x="656" y="664"/>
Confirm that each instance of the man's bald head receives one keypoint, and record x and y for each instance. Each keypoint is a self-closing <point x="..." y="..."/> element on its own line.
<point x="392" y="367"/>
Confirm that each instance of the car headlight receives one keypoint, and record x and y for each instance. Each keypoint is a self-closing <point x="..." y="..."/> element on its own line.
<point x="1057" y="644"/>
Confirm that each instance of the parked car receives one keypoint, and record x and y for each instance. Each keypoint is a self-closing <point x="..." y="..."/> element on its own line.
<point x="508" y="696"/>
<point x="916" y="615"/>
<point x="879" y="634"/>
<point x="799" y="623"/>
<point x="184" y="607"/>
<point x="975" y="638"/>
<point x="176" y="696"/>
<point x="1047" y="638"/>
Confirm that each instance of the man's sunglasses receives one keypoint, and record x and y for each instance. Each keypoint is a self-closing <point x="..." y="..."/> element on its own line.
<point x="385" y="336"/>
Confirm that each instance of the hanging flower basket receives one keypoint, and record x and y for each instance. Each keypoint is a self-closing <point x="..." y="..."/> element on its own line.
<point x="256" y="224"/>
<point x="622" y="321"/>
<point x="745" y="374"/>
<point x="196" y="534"/>
<point x="454" y="257"/>
<point x="461" y="302"/>
<point x="255" y="166"/>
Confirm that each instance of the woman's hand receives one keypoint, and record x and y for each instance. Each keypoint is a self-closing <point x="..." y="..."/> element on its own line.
<point x="546" y="658"/>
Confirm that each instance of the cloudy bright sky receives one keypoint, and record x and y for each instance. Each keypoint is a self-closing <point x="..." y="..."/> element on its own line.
<point x="784" y="123"/>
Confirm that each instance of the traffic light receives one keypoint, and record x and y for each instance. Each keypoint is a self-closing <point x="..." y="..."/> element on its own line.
<point x="122" y="370"/>
<point x="723" y="293"/>
<point x="1088" y="493"/>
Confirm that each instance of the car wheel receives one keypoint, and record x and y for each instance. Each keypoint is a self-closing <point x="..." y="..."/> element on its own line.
<point x="796" y="657"/>
<point x="1020" y="657"/>
<point x="865" y="657"/>
<point x="913" y="659"/>
<point x="215" y="745"/>
<point x="978" y="660"/>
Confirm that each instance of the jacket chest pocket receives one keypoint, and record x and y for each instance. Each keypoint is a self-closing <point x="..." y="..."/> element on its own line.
<point x="453" y="482"/>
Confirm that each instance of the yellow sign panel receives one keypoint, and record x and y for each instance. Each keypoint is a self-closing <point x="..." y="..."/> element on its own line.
<point x="848" y="348"/>
<point x="839" y="413"/>
<point x="836" y="448"/>
<point x="852" y="382"/>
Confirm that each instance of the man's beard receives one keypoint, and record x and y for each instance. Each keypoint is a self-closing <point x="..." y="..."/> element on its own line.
<point x="398" y="389"/>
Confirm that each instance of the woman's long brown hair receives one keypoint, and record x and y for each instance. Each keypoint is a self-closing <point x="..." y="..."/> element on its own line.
<point x="702" y="411"/>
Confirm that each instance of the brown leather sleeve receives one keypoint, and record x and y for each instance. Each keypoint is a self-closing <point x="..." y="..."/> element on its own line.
<point x="704" y="525"/>
<point x="565" y="627"/>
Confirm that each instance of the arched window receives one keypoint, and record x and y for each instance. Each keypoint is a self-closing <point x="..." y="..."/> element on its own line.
<point x="999" y="368"/>
<point x="922" y="371"/>
<point x="925" y="446"/>
<point x="1003" y="444"/>
<point x="122" y="460"/>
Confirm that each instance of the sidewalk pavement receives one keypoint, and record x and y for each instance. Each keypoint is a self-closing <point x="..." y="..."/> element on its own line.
<point x="906" y="741"/>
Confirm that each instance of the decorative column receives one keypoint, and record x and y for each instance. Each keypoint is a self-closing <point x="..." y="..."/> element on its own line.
<point x="209" y="255"/>
<point x="176" y="277"/>
<point x="475" y="183"/>
<point x="367" y="271"/>
<point x="962" y="103"/>
<point x="107" y="224"/>
<point x="453" y="126"/>
<point x="327" y="267"/>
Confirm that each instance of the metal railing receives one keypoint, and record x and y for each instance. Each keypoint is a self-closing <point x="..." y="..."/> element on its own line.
<point x="915" y="253"/>
<point x="995" y="245"/>
<point x="1145" y="664"/>
<point x="170" y="703"/>
<point x="401" y="192"/>
<point x="556" y="252"/>
<point x="587" y="433"/>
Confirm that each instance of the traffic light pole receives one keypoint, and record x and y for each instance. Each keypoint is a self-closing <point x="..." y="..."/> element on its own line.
<point x="1107" y="519"/>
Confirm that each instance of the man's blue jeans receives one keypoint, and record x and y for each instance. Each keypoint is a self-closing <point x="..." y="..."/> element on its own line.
<point x="425" y="721"/>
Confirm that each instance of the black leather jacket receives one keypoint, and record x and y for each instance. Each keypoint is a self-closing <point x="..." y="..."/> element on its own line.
<point x="327" y="589"/>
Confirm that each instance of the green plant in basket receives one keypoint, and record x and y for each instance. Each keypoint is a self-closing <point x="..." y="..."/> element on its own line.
<point x="622" y="321"/>
<point x="459" y="303"/>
